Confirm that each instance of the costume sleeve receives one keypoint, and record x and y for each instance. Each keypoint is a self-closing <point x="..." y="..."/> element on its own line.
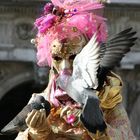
<point x="118" y="126"/>
<point x="23" y="135"/>
<point x="117" y="121"/>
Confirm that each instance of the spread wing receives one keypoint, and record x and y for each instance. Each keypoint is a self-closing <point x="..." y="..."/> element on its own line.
<point x="86" y="63"/>
<point x="116" y="47"/>
<point x="113" y="51"/>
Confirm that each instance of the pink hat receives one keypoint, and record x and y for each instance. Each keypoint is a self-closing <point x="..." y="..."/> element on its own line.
<point x="67" y="18"/>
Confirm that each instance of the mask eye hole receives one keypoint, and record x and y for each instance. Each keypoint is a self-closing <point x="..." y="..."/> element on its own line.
<point x="57" y="58"/>
<point x="72" y="56"/>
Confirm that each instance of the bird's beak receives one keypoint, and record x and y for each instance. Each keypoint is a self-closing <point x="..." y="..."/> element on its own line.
<point x="66" y="72"/>
<point x="63" y="78"/>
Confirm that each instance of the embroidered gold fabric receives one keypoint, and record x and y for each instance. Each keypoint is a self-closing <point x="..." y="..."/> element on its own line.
<point x="118" y="126"/>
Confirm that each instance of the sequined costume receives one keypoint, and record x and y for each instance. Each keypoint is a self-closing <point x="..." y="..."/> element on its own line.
<point x="118" y="125"/>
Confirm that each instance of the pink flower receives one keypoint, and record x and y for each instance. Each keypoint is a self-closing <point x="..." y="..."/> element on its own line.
<point x="71" y="118"/>
<point x="48" y="8"/>
<point x="38" y="21"/>
<point x="45" y="22"/>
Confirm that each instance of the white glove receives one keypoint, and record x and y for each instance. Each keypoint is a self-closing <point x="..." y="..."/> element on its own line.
<point x="37" y="123"/>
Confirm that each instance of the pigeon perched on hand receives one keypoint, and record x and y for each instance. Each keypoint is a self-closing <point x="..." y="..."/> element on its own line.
<point x="90" y="68"/>
<point x="18" y="123"/>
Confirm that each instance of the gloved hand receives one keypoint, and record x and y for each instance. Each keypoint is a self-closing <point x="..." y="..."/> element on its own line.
<point x="37" y="123"/>
<point x="18" y="123"/>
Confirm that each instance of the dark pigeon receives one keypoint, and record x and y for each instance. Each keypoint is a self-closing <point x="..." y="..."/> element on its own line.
<point x="18" y="123"/>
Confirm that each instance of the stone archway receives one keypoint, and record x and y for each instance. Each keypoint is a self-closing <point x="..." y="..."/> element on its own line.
<point x="14" y="81"/>
<point x="16" y="86"/>
<point x="13" y="74"/>
<point x="12" y="103"/>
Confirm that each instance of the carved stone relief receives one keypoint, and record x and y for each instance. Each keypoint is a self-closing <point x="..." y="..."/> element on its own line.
<point x="24" y="31"/>
<point x="5" y="34"/>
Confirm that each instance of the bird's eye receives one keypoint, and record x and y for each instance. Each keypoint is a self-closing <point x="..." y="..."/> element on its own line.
<point x="57" y="58"/>
<point x="72" y="57"/>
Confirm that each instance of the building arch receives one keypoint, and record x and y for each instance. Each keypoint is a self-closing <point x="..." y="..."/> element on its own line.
<point x="13" y="74"/>
<point x="14" y="80"/>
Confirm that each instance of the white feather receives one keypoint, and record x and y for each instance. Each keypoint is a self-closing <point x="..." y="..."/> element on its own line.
<point x="87" y="63"/>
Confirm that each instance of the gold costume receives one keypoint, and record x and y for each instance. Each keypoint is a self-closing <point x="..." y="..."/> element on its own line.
<point x="118" y="125"/>
<point x="60" y="39"/>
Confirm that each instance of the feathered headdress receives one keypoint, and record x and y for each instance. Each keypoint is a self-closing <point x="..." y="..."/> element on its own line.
<point x="67" y="18"/>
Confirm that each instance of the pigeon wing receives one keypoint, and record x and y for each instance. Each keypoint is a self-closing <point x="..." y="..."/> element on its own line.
<point x="116" y="47"/>
<point x="87" y="62"/>
<point x="112" y="52"/>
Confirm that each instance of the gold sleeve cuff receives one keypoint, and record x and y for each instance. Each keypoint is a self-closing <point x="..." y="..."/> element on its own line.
<point x="99" y="135"/>
<point x="23" y="135"/>
<point x="39" y="135"/>
<point x="110" y="95"/>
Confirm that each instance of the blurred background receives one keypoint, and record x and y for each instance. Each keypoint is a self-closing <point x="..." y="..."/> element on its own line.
<point x="20" y="76"/>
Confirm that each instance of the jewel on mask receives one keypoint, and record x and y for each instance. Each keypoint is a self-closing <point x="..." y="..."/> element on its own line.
<point x="74" y="29"/>
<point x="71" y="118"/>
<point x="48" y="8"/>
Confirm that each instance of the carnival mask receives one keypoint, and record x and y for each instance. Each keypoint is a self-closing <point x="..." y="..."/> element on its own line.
<point x="64" y="51"/>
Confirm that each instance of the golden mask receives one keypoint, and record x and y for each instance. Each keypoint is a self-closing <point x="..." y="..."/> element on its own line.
<point x="64" y="51"/>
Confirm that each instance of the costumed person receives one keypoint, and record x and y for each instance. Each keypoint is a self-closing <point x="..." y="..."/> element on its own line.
<point x="84" y="100"/>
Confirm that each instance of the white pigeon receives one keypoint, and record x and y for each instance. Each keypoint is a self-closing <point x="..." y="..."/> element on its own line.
<point x="90" y="68"/>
